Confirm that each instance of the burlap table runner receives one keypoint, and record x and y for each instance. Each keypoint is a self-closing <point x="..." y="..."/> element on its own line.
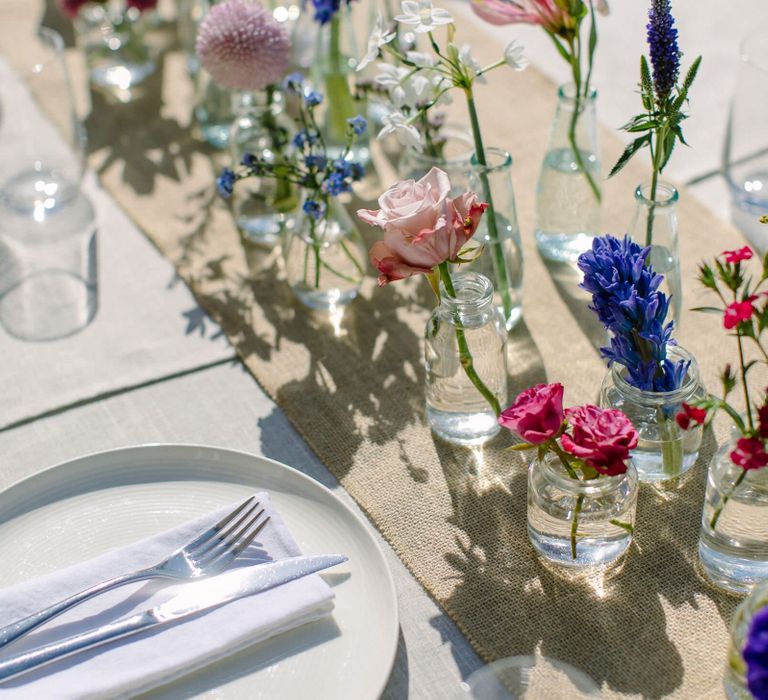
<point x="353" y="387"/>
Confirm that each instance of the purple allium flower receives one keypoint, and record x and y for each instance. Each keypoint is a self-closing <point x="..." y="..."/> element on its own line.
<point x="242" y="46"/>
<point x="756" y="655"/>
<point x="626" y="298"/>
<point x="665" y="54"/>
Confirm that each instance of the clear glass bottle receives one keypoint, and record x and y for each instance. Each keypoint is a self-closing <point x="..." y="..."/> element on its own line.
<point x="606" y="516"/>
<point x="664" y="451"/>
<point x="654" y="223"/>
<point x="334" y="72"/>
<point x="325" y="258"/>
<point x="119" y="59"/>
<point x="456" y="151"/>
<point x="567" y="210"/>
<point x="733" y="542"/>
<point x="456" y="410"/>
<point x="215" y="110"/>
<point x="735" y="679"/>
<point x="502" y="259"/>
<point x="264" y="208"/>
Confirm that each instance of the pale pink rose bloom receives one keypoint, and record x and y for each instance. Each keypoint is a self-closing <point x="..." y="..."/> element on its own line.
<point x="544" y="12"/>
<point x="423" y="227"/>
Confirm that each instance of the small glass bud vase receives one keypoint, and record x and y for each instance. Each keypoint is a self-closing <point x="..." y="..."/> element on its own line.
<point x="735" y="678"/>
<point x="733" y="543"/>
<point x="465" y="324"/>
<point x="119" y="59"/>
<point x="324" y="257"/>
<point x="502" y="260"/>
<point x="567" y="209"/>
<point x="664" y="450"/>
<point x="452" y="154"/>
<point x="264" y="208"/>
<point x="605" y="509"/>
<point x="654" y="223"/>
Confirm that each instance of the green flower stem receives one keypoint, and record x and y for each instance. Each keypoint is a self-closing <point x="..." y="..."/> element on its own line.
<point x="497" y="253"/>
<point x="727" y="498"/>
<point x="576" y="69"/>
<point x="465" y="356"/>
<point x="579" y="501"/>
<point x="652" y="206"/>
<point x="671" y="445"/>
<point x="748" y="403"/>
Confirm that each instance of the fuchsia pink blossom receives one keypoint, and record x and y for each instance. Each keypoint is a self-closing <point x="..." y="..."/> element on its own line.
<point x="537" y="414"/>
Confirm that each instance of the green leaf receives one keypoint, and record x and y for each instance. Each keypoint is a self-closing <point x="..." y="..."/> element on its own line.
<point x="635" y="126"/>
<point x="689" y="78"/>
<point x="646" y="84"/>
<point x="708" y="309"/>
<point x="560" y="48"/>
<point x="522" y="447"/>
<point x="592" y="33"/>
<point x="670" y="139"/>
<point x="629" y="151"/>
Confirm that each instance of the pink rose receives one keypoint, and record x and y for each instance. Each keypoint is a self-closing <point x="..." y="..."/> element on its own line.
<point x="423" y="227"/>
<point x="537" y="414"/>
<point x="602" y="437"/>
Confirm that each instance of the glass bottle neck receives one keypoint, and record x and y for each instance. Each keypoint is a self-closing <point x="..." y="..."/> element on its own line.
<point x="469" y="300"/>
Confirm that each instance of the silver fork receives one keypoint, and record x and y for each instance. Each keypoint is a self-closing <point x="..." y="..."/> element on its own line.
<point x="209" y="553"/>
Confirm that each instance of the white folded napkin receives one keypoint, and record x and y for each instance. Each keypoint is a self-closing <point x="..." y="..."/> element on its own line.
<point x="146" y="660"/>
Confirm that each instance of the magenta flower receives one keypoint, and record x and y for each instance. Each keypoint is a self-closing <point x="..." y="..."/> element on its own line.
<point x="141" y="5"/>
<point x="547" y="13"/>
<point x="537" y="414"/>
<point x="602" y="437"/>
<point x="242" y="46"/>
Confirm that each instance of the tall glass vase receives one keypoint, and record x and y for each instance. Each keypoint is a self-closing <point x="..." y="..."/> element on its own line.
<point x="567" y="208"/>
<point x="324" y="257"/>
<point x="264" y="208"/>
<point x="465" y="325"/>
<point x="499" y="234"/>
<point x="654" y="223"/>
<point x="334" y="75"/>
<point x="119" y="59"/>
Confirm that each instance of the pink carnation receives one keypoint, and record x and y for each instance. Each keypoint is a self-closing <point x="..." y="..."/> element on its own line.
<point x="141" y="5"/>
<point x="602" y="437"/>
<point x="242" y="46"/>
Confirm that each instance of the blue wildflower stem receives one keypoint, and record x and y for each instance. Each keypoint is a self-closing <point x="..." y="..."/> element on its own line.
<point x="497" y="253"/>
<point x="465" y="356"/>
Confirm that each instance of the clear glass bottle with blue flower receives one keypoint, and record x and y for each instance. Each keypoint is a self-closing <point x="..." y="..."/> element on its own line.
<point x="323" y="253"/>
<point x="650" y="377"/>
<point x="746" y="669"/>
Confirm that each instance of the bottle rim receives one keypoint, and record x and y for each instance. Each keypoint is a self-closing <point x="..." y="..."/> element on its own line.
<point x="690" y="383"/>
<point x="474" y="291"/>
<point x="497" y="160"/>
<point x="567" y="93"/>
<point x="666" y="195"/>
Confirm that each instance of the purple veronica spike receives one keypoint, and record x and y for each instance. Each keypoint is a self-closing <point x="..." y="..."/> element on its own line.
<point x="665" y="54"/>
<point x="626" y="298"/>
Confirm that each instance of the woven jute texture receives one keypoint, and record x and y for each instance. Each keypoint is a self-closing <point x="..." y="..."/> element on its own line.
<point x="353" y="387"/>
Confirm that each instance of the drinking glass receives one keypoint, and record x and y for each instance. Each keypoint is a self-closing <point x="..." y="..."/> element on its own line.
<point x="746" y="146"/>
<point x="48" y="282"/>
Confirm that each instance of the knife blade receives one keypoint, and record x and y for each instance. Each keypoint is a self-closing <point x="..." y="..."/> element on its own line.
<point x="192" y="599"/>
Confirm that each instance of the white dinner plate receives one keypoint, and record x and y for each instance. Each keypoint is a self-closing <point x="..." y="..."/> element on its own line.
<point x="84" y="507"/>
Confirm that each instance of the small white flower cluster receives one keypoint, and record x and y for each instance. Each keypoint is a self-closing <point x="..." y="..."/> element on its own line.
<point x="423" y="80"/>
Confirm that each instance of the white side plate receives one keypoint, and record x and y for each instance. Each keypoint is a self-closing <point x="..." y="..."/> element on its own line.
<point x="84" y="507"/>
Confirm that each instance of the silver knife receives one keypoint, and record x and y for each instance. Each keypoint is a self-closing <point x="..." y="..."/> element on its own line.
<point x="193" y="598"/>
